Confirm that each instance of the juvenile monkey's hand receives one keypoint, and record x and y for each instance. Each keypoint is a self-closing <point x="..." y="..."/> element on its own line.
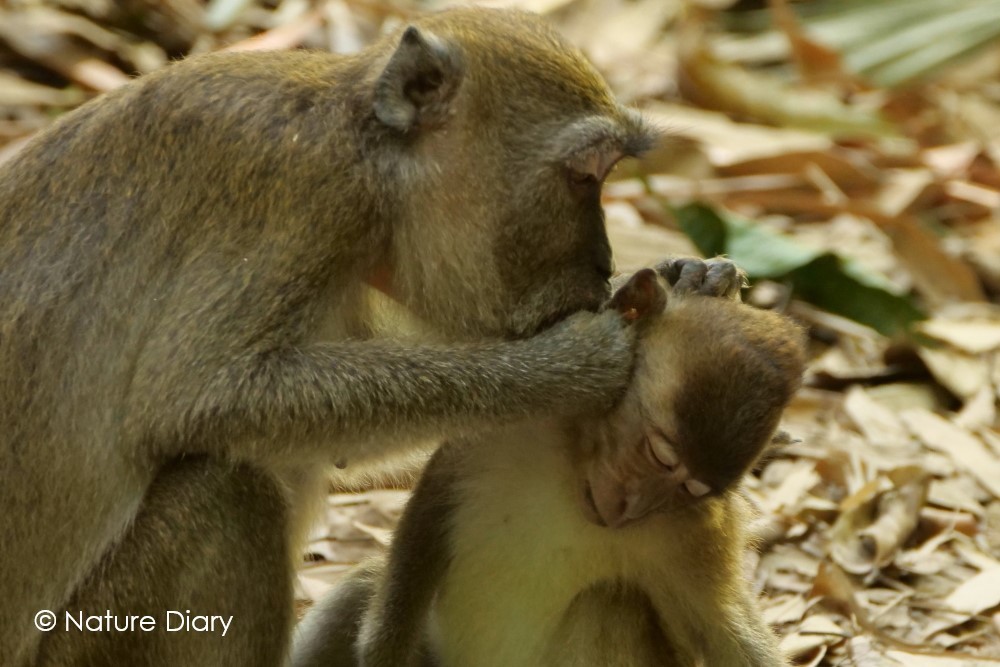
<point x="712" y="277"/>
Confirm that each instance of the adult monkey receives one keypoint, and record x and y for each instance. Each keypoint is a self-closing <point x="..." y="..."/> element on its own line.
<point x="181" y="264"/>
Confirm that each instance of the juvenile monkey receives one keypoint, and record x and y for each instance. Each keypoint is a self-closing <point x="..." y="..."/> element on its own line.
<point x="615" y="540"/>
<point x="182" y="346"/>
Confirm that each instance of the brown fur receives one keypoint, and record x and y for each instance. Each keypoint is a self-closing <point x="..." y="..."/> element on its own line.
<point x="497" y="560"/>
<point x="181" y="272"/>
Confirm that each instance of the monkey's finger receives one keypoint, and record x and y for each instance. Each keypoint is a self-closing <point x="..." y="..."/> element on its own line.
<point x="723" y="278"/>
<point x="692" y="277"/>
<point x="670" y="269"/>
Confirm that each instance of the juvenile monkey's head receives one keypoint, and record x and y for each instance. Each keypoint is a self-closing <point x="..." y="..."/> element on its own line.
<point x="711" y="380"/>
<point x="497" y="136"/>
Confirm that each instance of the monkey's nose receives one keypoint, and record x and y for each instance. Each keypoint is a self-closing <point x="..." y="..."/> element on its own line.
<point x="609" y="505"/>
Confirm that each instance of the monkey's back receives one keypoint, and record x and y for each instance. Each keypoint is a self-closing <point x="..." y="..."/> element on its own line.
<point x="146" y="239"/>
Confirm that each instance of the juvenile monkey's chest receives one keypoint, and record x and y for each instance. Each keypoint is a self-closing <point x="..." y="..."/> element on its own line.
<point x="524" y="560"/>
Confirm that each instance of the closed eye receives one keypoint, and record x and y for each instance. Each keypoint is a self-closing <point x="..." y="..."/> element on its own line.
<point x="663" y="449"/>
<point x="581" y="178"/>
<point x="697" y="488"/>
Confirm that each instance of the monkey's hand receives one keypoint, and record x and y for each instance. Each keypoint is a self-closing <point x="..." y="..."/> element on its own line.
<point x="602" y="347"/>
<point x="712" y="277"/>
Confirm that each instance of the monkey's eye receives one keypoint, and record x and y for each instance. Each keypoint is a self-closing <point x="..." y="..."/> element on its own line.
<point x="581" y="179"/>
<point x="696" y="488"/>
<point x="590" y="166"/>
<point x="663" y="450"/>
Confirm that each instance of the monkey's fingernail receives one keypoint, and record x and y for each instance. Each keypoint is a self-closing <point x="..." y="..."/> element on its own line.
<point x="663" y="450"/>
<point x="782" y="438"/>
<point x="696" y="488"/>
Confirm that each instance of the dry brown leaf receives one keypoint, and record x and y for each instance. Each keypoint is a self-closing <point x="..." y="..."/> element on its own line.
<point x="972" y="335"/>
<point x="15" y="90"/>
<point x="285" y="36"/>
<point x="988" y="199"/>
<point x="939" y="275"/>
<point x="903" y="190"/>
<point x="714" y="84"/>
<point x="980" y="411"/>
<point x="782" y="609"/>
<point x="928" y="558"/>
<point x="977" y="594"/>
<point x="69" y="44"/>
<point x="794" y="487"/>
<point x="630" y="31"/>
<point x="878" y="424"/>
<point x="636" y="246"/>
<point x="814" y="632"/>
<point x="898" y="396"/>
<point x="968" y="451"/>
<point x="815" y="62"/>
<point x="382" y="536"/>
<point x="847" y="169"/>
<point x="962" y="374"/>
<point x="909" y="659"/>
<point x="727" y="142"/>
<point x="876" y="521"/>
<point x="960" y="494"/>
<point x="315" y="581"/>
<point x="952" y="160"/>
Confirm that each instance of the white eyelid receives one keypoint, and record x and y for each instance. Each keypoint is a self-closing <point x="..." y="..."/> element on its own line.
<point x="663" y="450"/>
<point x="596" y="161"/>
<point x="696" y="488"/>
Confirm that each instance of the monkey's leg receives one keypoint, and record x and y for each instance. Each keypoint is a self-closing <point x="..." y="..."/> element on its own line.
<point x="328" y="635"/>
<point x="209" y="541"/>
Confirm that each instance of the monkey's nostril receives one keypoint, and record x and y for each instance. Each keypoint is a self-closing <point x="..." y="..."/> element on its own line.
<point x="590" y="505"/>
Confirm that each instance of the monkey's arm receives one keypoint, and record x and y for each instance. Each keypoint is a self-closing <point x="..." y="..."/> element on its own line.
<point x="363" y="399"/>
<point x="739" y="637"/>
<point x="727" y="619"/>
<point x="393" y="632"/>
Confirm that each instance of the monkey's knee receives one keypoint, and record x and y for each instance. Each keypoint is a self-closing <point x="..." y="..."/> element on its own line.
<point x="201" y="578"/>
<point x="328" y="634"/>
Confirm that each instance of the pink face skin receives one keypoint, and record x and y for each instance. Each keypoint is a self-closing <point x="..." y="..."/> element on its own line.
<point x="635" y="471"/>
<point x="596" y="162"/>
<point x="708" y="388"/>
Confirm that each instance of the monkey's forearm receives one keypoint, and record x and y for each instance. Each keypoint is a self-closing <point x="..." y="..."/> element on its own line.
<point x="742" y="639"/>
<point x="342" y="391"/>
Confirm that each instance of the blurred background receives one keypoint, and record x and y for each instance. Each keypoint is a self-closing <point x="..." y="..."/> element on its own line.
<point x="846" y="154"/>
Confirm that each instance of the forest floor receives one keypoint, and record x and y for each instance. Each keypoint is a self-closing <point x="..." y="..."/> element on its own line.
<point x="854" y="176"/>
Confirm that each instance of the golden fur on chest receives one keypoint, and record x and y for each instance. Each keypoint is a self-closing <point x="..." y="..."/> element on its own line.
<point x="526" y="562"/>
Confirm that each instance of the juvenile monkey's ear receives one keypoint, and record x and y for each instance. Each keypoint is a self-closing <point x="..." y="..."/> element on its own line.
<point x="640" y="297"/>
<point x="419" y="82"/>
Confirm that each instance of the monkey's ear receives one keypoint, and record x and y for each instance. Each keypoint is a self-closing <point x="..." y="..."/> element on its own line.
<point x="418" y="83"/>
<point x="640" y="297"/>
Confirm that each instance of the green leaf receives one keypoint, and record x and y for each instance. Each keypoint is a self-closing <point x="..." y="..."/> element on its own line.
<point x="824" y="279"/>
